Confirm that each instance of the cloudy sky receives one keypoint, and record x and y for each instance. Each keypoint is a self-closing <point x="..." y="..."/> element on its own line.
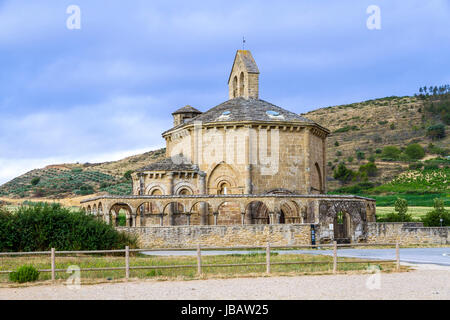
<point x="106" y="90"/>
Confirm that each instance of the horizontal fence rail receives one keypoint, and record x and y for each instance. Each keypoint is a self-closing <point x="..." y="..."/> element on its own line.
<point x="199" y="265"/>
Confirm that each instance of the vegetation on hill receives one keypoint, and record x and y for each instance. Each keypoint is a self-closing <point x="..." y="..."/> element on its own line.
<point x="76" y="179"/>
<point x="372" y="143"/>
<point x="404" y="141"/>
<point x="41" y="227"/>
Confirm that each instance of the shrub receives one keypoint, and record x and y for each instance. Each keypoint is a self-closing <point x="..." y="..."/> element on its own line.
<point x="42" y="226"/>
<point x="430" y="166"/>
<point x="360" y="155"/>
<point x="432" y="218"/>
<point x="25" y="273"/>
<point x="390" y="152"/>
<point x="35" y="181"/>
<point x="336" y="143"/>
<point x="415" y="151"/>
<point x="378" y="151"/>
<point x="436" y="132"/>
<point x="127" y="175"/>
<point x="343" y="174"/>
<point x="369" y="168"/>
<point x="392" y="126"/>
<point x="415" y="166"/>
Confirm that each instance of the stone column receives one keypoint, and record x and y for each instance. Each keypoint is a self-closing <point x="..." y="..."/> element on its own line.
<point x="133" y="217"/>
<point x="277" y="217"/>
<point x="307" y="161"/>
<point x="248" y="179"/>
<point x="324" y="171"/>
<point x="188" y="216"/>
<point x="216" y="214"/>
<point x="203" y="207"/>
<point x="271" y="218"/>
<point x="141" y="192"/>
<point x="243" y="218"/>
<point x="161" y="219"/>
<point x="171" y="206"/>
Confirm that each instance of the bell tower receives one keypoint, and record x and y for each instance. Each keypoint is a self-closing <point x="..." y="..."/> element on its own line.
<point x="244" y="77"/>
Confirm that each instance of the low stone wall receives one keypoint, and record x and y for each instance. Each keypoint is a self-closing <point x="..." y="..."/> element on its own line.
<point x="237" y="235"/>
<point x="407" y="233"/>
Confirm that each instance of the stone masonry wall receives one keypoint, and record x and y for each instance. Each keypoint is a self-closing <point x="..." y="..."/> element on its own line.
<point x="240" y="235"/>
<point x="407" y="233"/>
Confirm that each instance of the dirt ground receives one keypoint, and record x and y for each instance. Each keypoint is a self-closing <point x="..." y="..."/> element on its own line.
<point x="426" y="282"/>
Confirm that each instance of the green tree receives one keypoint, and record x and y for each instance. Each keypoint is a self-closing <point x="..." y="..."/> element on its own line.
<point x="336" y="144"/>
<point x="369" y="168"/>
<point x="401" y="207"/>
<point x="390" y="152"/>
<point x="40" y="227"/>
<point x="436" y="132"/>
<point x="360" y="155"/>
<point x="35" y="180"/>
<point x="127" y="175"/>
<point x="415" y="151"/>
<point x="343" y="174"/>
<point x="433" y="218"/>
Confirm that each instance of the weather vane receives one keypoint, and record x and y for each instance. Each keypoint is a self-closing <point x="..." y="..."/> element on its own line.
<point x="243" y="43"/>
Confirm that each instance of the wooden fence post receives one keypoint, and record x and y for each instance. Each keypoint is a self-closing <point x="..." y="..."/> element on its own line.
<point x="268" y="257"/>
<point x="127" y="262"/>
<point x="334" y="256"/>
<point x="53" y="264"/>
<point x="199" y="260"/>
<point x="397" y="256"/>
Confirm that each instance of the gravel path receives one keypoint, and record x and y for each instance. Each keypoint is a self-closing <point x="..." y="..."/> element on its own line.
<point x="424" y="283"/>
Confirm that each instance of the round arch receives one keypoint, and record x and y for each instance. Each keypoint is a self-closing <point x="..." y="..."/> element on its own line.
<point x="257" y="212"/>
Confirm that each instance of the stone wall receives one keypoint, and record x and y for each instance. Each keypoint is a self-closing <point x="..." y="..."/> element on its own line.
<point x="407" y="233"/>
<point x="241" y="235"/>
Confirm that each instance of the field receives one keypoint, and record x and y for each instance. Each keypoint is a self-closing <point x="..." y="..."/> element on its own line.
<point x="324" y="265"/>
<point x="414" y="200"/>
<point x="416" y="212"/>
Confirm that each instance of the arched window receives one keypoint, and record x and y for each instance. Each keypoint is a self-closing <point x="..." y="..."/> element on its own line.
<point x="235" y="87"/>
<point x="184" y="192"/>
<point x="156" y="192"/>
<point x="241" y="84"/>
<point x="224" y="188"/>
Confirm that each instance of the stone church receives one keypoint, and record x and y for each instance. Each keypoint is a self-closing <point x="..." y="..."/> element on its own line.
<point x="245" y="161"/>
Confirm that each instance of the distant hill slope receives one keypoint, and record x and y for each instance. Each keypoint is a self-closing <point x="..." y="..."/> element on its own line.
<point x="366" y="127"/>
<point x="68" y="180"/>
<point x="372" y="125"/>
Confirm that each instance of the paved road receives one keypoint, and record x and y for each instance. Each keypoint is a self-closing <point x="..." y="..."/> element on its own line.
<point x="419" y="284"/>
<point x="439" y="256"/>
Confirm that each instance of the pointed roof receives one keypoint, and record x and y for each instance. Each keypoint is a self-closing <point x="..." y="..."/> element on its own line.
<point x="248" y="61"/>
<point x="187" y="109"/>
<point x="241" y="109"/>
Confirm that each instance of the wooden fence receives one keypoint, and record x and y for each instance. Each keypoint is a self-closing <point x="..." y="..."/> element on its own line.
<point x="199" y="266"/>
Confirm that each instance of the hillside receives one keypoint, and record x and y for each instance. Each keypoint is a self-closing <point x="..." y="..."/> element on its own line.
<point x="372" y="125"/>
<point x="360" y="132"/>
<point x="68" y="180"/>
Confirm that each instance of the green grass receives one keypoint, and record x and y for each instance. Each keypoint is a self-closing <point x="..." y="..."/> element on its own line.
<point x="416" y="212"/>
<point x="418" y="187"/>
<point x="324" y="265"/>
<point x="414" y="200"/>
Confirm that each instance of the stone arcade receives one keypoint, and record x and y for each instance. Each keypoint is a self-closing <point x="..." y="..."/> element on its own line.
<point x="243" y="163"/>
